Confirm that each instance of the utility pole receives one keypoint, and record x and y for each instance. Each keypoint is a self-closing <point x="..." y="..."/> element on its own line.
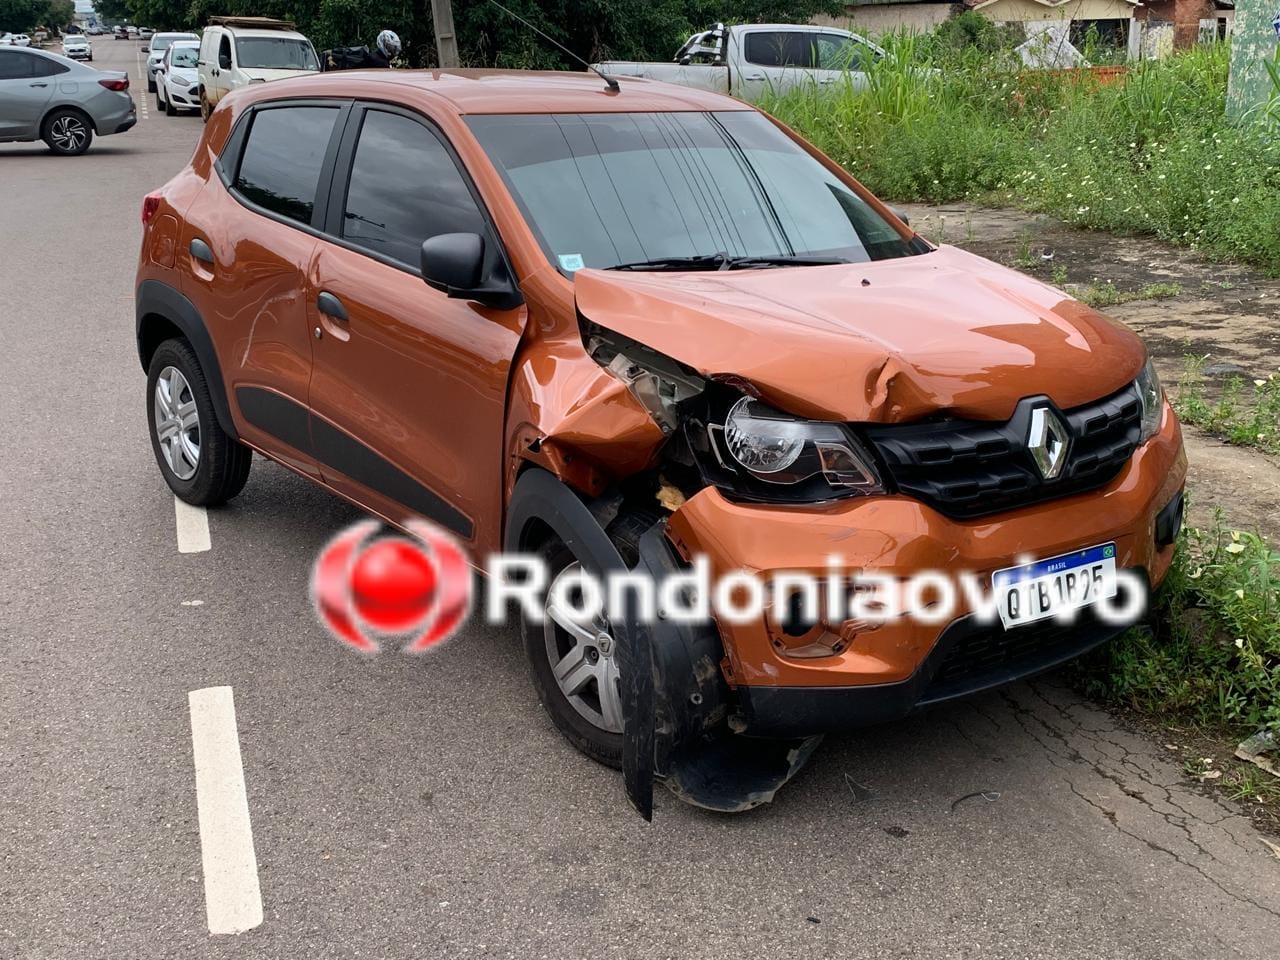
<point x="1254" y="38"/>
<point x="446" y="39"/>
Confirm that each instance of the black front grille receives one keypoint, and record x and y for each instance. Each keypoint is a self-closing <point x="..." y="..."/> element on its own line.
<point x="979" y="657"/>
<point x="970" y="468"/>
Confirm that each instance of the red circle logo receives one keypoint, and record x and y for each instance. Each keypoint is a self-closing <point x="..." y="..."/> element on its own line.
<point x="392" y="585"/>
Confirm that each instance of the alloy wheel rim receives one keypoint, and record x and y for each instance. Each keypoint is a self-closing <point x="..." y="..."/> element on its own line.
<point x="68" y="133"/>
<point x="584" y="662"/>
<point x="177" y="423"/>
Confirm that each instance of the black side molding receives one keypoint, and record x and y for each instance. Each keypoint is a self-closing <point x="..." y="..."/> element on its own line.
<point x="156" y="299"/>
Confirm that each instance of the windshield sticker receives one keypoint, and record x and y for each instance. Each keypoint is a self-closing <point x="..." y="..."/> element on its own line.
<point x="569" y="262"/>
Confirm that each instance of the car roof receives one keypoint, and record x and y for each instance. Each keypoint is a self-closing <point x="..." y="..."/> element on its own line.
<point x="259" y="32"/>
<point x="179" y="44"/>
<point x="508" y="91"/>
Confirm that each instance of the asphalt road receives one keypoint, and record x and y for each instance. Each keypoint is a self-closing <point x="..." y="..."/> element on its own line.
<point x="408" y="807"/>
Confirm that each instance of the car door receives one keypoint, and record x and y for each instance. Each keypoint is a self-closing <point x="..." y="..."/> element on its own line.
<point x="246" y="245"/>
<point x="222" y="68"/>
<point x="408" y="390"/>
<point x="23" y="94"/>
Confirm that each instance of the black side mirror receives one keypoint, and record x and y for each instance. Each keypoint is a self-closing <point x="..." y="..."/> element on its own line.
<point x="454" y="263"/>
<point x="900" y="215"/>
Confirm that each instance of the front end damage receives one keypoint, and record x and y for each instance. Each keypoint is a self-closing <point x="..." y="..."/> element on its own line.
<point x="628" y="416"/>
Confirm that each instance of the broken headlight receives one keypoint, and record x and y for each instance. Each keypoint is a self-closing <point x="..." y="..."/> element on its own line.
<point x="1151" y="396"/>
<point x="766" y="445"/>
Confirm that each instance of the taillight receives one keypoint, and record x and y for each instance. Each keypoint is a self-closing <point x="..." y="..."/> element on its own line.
<point x="150" y="204"/>
<point x="111" y="83"/>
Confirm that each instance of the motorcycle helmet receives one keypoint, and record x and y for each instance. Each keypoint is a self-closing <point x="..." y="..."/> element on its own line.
<point x="389" y="44"/>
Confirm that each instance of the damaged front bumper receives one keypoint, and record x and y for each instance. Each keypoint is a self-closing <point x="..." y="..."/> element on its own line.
<point x="726" y="713"/>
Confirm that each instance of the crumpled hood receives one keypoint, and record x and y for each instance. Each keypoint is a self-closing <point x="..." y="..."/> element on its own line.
<point x="895" y="340"/>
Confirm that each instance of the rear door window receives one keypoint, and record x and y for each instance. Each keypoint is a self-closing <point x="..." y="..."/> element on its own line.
<point x="783" y="48"/>
<point x="405" y="188"/>
<point x="15" y="65"/>
<point x="283" y="157"/>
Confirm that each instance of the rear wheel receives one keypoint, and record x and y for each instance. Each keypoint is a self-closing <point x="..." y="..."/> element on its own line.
<point x="68" y="133"/>
<point x="200" y="462"/>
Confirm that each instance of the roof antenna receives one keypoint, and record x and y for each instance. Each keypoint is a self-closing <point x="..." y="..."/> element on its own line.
<point x="609" y="82"/>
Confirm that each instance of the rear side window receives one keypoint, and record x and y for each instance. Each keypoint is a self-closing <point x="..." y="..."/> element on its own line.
<point x="282" y="158"/>
<point x="782" y="49"/>
<point x="44" y="67"/>
<point x="404" y="189"/>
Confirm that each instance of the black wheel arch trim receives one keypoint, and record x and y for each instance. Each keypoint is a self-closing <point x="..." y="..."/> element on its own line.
<point x="155" y="298"/>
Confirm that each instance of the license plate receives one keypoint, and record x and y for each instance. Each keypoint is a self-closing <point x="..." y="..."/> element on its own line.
<point x="1071" y="581"/>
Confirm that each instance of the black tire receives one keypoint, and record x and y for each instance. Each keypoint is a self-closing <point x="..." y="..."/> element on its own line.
<point x="159" y="102"/>
<point x="223" y="467"/>
<point x="597" y="743"/>
<point x="151" y="86"/>
<point x="205" y="108"/>
<point x="169" y="109"/>
<point x="67" y="132"/>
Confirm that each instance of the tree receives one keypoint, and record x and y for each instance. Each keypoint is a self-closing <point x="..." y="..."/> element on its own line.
<point x="592" y="29"/>
<point x="19" y="16"/>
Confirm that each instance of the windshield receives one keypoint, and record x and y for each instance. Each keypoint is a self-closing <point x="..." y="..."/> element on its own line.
<point x="275" y="53"/>
<point x="623" y="188"/>
<point x="183" y="57"/>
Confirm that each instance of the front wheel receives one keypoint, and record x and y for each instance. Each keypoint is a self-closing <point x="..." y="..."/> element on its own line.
<point x="68" y="133"/>
<point x="199" y="461"/>
<point x="205" y="107"/>
<point x="575" y="668"/>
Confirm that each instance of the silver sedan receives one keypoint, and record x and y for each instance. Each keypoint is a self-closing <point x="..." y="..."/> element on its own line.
<point x="64" y="103"/>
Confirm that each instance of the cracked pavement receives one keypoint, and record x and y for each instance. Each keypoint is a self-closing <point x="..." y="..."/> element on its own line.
<point x="406" y="807"/>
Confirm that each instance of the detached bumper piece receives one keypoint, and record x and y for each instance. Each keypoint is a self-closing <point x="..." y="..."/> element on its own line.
<point x="676" y="705"/>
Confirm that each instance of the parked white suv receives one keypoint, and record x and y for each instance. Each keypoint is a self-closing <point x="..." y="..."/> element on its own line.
<point x="238" y="51"/>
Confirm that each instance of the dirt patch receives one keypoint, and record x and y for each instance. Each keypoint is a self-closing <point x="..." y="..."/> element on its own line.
<point x="1226" y="312"/>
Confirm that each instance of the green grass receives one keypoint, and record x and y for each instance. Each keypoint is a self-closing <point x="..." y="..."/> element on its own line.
<point x="1099" y="295"/>
<point x="1153" y="154"/>
<point x="1243" y="414"/>
<point x="1212" y="656"/>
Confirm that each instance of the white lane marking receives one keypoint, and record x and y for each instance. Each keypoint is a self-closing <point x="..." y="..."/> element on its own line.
<point x="232" y="895"/>
<point x="142" y="94"/>
<point x="193" y="527"/>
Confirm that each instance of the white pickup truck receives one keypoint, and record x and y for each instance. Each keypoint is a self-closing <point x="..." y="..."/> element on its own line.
<point x="746" y="60"/>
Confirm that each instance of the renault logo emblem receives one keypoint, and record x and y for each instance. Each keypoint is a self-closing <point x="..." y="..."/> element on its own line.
<point x="1047" y="441"/>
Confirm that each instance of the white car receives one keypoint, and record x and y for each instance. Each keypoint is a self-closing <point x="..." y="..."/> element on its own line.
<point x="18" y="40"/>
<point x="155" y="50"/>
<point x="75" y="46"/>
<point x="177" y="78"/>
<point x="238" y="51"/>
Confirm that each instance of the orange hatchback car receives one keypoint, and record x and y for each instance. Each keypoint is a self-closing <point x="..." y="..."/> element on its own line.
<point x="622" y="329"/>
